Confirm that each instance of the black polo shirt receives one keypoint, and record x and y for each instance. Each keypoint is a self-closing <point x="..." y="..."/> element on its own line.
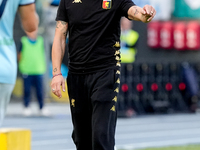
<point x="94" y="33"/>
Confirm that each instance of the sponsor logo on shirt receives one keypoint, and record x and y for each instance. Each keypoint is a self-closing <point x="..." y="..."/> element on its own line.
<point x="107" y="4"/>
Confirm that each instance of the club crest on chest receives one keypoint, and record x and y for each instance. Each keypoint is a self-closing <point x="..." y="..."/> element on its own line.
<point x="107" y="4"/>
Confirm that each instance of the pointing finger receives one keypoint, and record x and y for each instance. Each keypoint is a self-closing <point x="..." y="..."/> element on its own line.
<point x="58" y="91"/>
<point x="63" y="86"/>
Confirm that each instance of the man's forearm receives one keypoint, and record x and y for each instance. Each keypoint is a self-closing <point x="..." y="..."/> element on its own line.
<point x="58" y="52"/>
<point x="58" y="49"/>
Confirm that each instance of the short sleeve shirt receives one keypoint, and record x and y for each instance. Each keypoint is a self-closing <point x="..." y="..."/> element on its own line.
<point x="94" y="32"/>
<point x="8" y="57"/>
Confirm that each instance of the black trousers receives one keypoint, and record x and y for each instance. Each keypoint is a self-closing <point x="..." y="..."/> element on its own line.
<point x="93" y="99"/>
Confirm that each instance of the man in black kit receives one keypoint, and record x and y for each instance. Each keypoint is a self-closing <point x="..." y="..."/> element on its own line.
<point x="94" y="65"/>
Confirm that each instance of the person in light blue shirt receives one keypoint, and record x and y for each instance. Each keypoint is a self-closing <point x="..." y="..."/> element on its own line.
<point x="8" y="54"/>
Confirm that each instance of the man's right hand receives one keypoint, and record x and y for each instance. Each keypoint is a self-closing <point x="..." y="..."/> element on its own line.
<point x="56" y="84"/>
<point x="145" y="14"/>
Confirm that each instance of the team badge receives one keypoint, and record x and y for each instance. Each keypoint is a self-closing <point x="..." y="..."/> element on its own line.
<point x="107" y="4"/>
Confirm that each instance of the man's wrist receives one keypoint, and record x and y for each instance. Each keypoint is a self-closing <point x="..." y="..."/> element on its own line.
<point x="56" y="70"/>
<point x="58" y="74"/>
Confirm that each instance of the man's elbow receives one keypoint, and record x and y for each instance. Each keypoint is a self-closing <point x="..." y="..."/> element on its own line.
<point x="31" y="28"/>
<point x="31" y="24"/>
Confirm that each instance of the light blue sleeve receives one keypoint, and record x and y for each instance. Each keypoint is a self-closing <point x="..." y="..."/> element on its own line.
<point x="26" y="2"/>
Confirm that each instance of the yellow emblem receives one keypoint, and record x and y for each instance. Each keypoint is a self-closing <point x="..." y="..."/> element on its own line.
<point x="77" y="1"/>
<point x="117" y="52"/>
<point x="116" y="90"/>
<point x="116" y="44"/>
<point x="118" y="64"/>
<point x="107" y="4"/>
<point x="118" y="72"/>
<point x="113" y="108"/>
<point x="117" y="58"/>
<point x="118" y="81"/>
<point x="115" y="99"/>
<point x="73" y="102"/>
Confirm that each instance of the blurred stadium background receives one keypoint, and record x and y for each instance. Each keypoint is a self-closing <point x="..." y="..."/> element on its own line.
<point x="159" y="93"/>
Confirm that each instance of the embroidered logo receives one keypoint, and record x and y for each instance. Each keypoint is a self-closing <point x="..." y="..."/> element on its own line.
<point x="113" y="108"/>
<point x="116" y="90"/>
<point x="106" y="4"/>
<point x="118" y="64"/>
<point x="117" y="58"/>
<point x="118" y="81"/>
<point x="77" y="1"/>
<point x="118" y="72"/>
<point x="116" y="44"/>
<point x="115" y="99"/>
<point x="73" y="102"/>
<point x="117" y="52"/>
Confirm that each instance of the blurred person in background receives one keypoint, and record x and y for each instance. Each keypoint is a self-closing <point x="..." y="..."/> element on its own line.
<point x="32" y="66"/>
<point x="8" y="54"/>
<point x="94" y="65"/>
<point x="129" y="39"/>
<point x="50" y="14"/>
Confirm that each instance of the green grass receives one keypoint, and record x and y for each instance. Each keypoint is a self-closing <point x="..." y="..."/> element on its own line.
<point x="189" y="147"/>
